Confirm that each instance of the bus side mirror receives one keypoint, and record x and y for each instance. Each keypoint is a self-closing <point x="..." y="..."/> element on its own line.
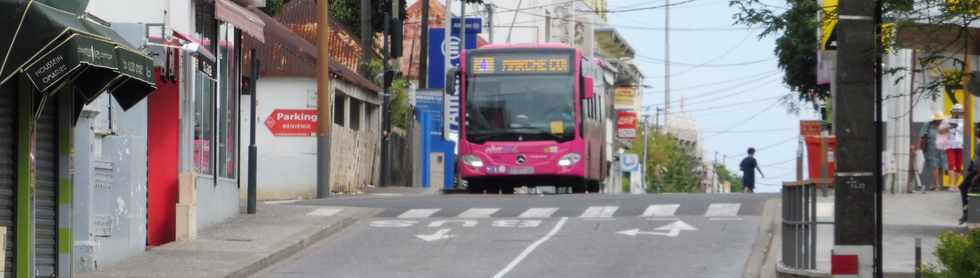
<point x="450" y="87"/>
<point x="589" y="88"/>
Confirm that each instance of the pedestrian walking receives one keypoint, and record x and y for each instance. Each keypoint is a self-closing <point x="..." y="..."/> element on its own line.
<point x="971" y="182"/>
<point x="931" y="147"/>
<point x="952" y="131"/>
<point x="748" y="166"/>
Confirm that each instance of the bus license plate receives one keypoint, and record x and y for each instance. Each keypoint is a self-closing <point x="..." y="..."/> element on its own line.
<point x="520" y="170"/>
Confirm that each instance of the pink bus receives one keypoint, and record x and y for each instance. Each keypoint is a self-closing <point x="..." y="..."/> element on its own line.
<point x="529" y="117"/>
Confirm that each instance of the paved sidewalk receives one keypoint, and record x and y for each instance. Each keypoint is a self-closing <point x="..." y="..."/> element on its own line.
<point x="240" y="246"/>
<point x="906" y="217"/>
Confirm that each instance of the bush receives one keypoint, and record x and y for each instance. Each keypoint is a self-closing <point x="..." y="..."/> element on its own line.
<point x="959" y="256"/>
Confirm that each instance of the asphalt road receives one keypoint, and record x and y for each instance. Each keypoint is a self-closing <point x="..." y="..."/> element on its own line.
<point x="681" y="235"/>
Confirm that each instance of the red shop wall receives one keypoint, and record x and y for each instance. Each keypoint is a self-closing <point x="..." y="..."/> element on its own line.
<point x="162" y="138"/>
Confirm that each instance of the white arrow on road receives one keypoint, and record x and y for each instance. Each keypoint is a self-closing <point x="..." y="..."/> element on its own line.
<point x="438" y="235"/>
<point x="673" y="230"/>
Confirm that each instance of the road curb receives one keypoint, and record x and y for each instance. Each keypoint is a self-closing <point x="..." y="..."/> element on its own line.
<point x="310" y="238"/>
<point x="763" y="244"/>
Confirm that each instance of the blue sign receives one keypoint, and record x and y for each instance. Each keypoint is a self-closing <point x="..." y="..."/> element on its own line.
<point x="430" y="102"/>
<point x="439" y="47"/>
<point x="474" y="25"/>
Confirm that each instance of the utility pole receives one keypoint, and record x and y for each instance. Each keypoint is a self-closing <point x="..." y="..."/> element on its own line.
<point x="666" y="62"/>
<point x="424" y="51"/>
<point x="857" y="122"/>
<point x="490" y="21"/>
<point x="253" y="150"/>
<point x="714" y="175"/>
<point x="547" y="27"/>
<point x="385" y="105"/>
<point x="646" y="123"/>
<point x="323" y="101"/>
<point x="366" y="38"/>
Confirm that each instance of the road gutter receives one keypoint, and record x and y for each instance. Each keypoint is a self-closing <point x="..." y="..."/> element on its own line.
<point x="760" y="259"/>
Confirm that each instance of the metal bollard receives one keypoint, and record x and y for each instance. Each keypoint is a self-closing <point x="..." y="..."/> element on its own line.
<point x="918" y="258"/>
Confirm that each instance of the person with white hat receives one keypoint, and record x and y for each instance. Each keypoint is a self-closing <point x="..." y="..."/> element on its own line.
<point x="952" y="130"/>
<point x="931" y="146"/>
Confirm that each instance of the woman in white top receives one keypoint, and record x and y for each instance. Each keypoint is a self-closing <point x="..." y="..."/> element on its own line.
<point x="952" y="130"/>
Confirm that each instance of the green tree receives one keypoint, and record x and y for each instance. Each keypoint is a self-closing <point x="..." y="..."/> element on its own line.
<point x="725" y="175"/>
<point x="795" y="26"/>
<point x="401" y="113"/>
<point x="348" y="12"/>
<point x="670" y="166"/>
<point x="958" y="254"/>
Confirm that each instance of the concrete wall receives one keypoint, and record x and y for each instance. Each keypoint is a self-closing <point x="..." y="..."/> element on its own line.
<point x="287" y="164"/>
<point x="109" y="214"/>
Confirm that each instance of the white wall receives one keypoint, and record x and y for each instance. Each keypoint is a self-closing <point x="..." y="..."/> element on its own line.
<point x="177" y="14"/>
<point x="287" y="164"/>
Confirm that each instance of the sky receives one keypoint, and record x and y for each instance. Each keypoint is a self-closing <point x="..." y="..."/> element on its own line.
<point x="734" y="96"/>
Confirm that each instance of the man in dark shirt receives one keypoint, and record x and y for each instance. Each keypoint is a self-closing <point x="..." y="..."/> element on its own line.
<point x="748" y="167"/>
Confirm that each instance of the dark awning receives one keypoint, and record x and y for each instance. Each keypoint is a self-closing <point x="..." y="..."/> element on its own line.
<point x="53" y="47"/>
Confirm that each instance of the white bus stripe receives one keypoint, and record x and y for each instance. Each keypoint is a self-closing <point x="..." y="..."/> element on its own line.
<point x="723" y="210"/>
<point x="538" y="213"/>
<point x="666" y="210"/>
<point x="599" y="212"/>
<point x="478" y="213"/>
<point x="418" y="213"/>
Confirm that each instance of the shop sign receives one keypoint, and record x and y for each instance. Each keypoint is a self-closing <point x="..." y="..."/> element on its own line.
<point x="626" y="124"/>
<point x="293" y="122"/>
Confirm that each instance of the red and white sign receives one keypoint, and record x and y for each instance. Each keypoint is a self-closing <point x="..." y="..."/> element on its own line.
<point x="626" y="124"/>
<point x="293" y="122"/>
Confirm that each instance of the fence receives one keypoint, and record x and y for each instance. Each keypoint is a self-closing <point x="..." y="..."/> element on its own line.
<point x="799" y="225"/>
<point x="400" y="163"/>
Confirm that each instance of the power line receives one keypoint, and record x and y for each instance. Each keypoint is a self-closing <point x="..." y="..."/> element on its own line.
<point x="737" y="64"/>
<point x="709" y="84"/>
<point x="722" y="90"/>
<point x="724" y="106"/>
<point x="643" y="8"/>
<point x="753" y="130"/>
<point x="740" y="123"/>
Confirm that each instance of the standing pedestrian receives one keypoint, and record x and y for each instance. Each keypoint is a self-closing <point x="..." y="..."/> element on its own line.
<point x="952" y="130"/>
<point x="972" y="179"/>
<point x="748" y="167"/>
<point x="930" y="145"/>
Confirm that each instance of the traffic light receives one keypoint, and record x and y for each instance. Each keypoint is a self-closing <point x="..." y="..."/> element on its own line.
<point x="389" y="77"/>
<point x="396" y="37"/>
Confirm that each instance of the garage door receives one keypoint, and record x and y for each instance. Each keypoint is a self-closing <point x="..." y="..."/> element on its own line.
<point x="45" y="199"/>
<point x="8" y="168"/>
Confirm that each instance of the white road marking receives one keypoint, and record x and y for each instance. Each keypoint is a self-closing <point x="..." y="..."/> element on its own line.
<point x="673" y="230"/>
<point x="438" y="235"/>
<point x="723" y="210"/>
<point x="825" y="210"/>
<point x="465" y="223"/>
<point x="478" y="213"/>
<point x="538" y="213"/>
<point x="281" y="202"/>
<point x="527" y="251"/>
<point x="325" y="212"/>
<point x="516" y="223"/>
<point x="667" y="210"/>
<point x="599" y="212"/>
<point x="393" y="223"/>
<point x="418" y="213"/>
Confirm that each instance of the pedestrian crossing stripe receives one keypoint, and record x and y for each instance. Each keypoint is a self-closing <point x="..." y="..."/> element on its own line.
<point x="538" y="213"/>
<point x="418" y="213"/>
<point x="599" y="212"/>
<point x="664" y="210"/>
<point x="478" y="213"/>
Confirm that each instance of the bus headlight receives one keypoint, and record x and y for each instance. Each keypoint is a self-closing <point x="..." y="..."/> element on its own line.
<point x="569" y="159"/>
<point x="472" y="161"/>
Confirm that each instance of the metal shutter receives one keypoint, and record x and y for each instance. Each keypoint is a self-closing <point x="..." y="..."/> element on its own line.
<point x="8" y="172"/>
<point x="46" y="197"/>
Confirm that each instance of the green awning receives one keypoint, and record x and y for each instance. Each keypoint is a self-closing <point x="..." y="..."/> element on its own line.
<point x="55" y="47"/>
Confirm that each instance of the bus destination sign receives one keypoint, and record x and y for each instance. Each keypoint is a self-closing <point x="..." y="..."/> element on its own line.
<point x="516" y="64"/>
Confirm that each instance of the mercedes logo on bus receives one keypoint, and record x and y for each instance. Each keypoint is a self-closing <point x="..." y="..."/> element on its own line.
<point x="521" y="159"/>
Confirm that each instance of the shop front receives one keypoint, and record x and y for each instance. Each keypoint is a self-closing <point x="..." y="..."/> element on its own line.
<point x="55" y="59"/>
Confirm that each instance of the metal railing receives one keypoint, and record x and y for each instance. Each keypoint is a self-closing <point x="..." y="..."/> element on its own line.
<point x="799" y="225"/>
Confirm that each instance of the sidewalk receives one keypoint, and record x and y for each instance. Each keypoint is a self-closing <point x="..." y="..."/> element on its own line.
<point x="240" y="246"/>
<point x="906" y="217"/>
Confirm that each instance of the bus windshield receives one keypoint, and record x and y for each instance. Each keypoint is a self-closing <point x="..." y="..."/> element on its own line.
<point x="520" y="108"/>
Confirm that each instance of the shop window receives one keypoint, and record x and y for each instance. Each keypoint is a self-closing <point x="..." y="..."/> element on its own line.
<point x="338" y="108"/>
<point x="227" y="102"/>
<point x="205" y="87"/>
<point x="355" y="114"/>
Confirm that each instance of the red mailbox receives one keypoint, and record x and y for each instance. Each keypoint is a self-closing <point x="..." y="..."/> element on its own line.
<point x="814" y="156"/>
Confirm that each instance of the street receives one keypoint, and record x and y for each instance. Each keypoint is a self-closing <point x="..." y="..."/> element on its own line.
<point x="672" y="235"/>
